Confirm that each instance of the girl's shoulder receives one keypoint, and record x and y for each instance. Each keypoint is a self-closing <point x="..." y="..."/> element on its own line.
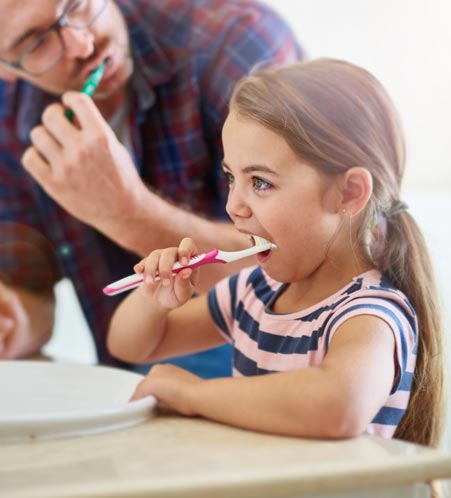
<point x="373" y="284"/>
<point x="372" y="293"/>
<point x="369" y="290"/>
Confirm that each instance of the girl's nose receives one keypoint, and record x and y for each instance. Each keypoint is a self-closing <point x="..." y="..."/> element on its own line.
<point x="78" y="43"/>
<point x="236" y="206"/>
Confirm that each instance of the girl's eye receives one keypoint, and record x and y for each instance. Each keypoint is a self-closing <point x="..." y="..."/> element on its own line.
<point x="260" y="184"/>
<point x="229" y="177"/>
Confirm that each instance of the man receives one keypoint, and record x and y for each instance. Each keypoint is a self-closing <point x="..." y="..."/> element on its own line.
<point x="139" y="168"/>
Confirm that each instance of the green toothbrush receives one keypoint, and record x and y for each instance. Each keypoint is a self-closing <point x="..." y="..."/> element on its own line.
<point x="90" y="86"/>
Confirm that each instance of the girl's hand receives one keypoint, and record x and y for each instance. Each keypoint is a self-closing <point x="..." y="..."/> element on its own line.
<point x="171" y="386"/>
<point x="170" y="291"/>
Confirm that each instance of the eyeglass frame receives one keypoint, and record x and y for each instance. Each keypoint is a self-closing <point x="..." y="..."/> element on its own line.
<point x="60" y="23"/>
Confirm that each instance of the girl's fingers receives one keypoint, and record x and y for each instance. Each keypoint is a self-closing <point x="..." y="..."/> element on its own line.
<point x="194" y="276"/>
<point x="167" y="259"/>
<point x="139" y="267"/>
<point x="185" y="274"/>
<point x="151" y="264"/>
<point x="187" y="249"/>
<point x="183" y="285"/>
<point x="159" y="263"/>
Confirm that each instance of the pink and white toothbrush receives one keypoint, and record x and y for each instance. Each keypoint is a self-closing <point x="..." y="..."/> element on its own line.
<point x="213" y="256"/>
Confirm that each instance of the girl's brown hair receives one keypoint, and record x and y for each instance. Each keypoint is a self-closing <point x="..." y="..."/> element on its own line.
<point x="336" y="115"/>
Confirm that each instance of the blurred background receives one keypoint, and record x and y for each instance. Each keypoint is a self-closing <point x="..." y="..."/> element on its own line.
<point x="405" y="44"/>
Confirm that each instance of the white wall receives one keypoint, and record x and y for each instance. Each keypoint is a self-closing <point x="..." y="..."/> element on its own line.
<point x="406" y="44"/>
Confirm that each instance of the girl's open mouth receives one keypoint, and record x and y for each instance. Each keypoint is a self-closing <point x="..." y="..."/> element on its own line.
<point x="260" y="241"/>
<point x="264" y="255"/>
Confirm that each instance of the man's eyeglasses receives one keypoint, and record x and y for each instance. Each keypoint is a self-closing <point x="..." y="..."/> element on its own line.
<point x="47" y="48"/>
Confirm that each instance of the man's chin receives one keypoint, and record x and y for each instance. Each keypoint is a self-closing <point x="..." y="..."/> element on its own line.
<point x="115" y="84"/>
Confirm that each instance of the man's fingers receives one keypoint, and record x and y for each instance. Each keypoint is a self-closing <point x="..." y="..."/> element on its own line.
<point x="36" y="165"/>
<point x="45" y="143"/>
<point x="57" y="124"/>
<point x="6" y="326"/>
<point x="86" y="111"/>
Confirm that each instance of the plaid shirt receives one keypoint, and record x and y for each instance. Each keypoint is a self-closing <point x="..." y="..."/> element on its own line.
<point x="188" y="55"/>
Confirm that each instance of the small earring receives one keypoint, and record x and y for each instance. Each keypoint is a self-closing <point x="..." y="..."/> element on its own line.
<point x="343" y="211"/>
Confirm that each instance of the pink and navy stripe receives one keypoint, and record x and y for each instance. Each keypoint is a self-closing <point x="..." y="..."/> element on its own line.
<point x="265" y="342"/>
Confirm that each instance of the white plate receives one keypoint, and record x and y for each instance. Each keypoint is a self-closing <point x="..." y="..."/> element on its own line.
<point x="45" y="400"/>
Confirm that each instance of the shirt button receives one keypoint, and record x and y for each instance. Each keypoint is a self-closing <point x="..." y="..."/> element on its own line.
<point x="65" y="250"/>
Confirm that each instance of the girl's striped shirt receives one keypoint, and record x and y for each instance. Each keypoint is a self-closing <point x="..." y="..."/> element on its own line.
<point x="266" y="342"/>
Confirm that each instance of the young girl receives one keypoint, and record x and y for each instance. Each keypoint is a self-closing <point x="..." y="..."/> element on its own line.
<point x="337" y="331"/>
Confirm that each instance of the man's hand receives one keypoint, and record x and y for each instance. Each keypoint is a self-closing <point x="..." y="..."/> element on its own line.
<point x="83" y="166"/>
<point x="14" y="324"/>
<point x="88" y="172"/>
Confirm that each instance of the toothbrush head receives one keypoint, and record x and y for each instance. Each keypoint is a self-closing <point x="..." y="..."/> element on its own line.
<point x="260" y="241"/>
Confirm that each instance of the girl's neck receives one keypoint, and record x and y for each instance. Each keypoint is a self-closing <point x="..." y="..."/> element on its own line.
<point x="323" y="283"/>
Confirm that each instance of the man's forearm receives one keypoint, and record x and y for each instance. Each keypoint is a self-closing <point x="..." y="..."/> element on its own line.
<point x="155" y="223"/>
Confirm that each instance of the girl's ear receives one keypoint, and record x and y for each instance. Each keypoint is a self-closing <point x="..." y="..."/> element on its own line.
<point x="356" y="187"/>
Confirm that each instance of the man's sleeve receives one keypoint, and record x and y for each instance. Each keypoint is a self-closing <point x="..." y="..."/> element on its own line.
<point x="27" y="258"/>
<point x="248" y="36"/>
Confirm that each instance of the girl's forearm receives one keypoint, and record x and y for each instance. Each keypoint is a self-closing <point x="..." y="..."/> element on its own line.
<point x="284" y="403"/>
<point x="336" y="399"/>
<point x="136" y="329"/>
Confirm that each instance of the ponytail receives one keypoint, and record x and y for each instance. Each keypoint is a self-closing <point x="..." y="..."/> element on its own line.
<point x="405" y="261"/>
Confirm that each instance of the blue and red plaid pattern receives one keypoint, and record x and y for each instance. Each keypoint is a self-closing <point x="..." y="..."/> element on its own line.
<point x="188" y="55"/>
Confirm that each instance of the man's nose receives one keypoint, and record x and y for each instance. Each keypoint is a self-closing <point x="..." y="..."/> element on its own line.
<point x="78" y="43"/>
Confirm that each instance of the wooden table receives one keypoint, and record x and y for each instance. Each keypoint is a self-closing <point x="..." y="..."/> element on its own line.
<point x="172" y="456"/>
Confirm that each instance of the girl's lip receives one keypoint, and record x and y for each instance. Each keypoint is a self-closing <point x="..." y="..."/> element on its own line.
<point x="263" y="256"/>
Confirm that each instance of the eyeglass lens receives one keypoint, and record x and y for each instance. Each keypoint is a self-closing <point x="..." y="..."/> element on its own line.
<point x="46" y="50"/>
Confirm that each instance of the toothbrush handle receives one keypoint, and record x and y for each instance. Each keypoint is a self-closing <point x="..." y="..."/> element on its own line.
<point x="132" y="281"/>
<point x="124" y="284"/>
<point x="199" y="260"/>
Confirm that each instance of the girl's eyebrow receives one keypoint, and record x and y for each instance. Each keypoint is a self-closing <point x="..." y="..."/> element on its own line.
<point x="253" y="168"/>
